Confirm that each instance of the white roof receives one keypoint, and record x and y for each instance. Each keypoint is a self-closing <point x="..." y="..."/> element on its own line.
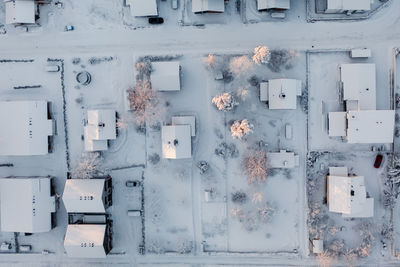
<point x="183" y="120"/>
<point x="337" y="123"/>
<point x="370" y="126"/>
<point x="84" y="195"/>
<point x="349" y="4"/>
<point x="85" y="240"/>
<point x="165" y="76"/>
<point x="100" y="128"/>
<point x="26" y="205"/>
<point x="176" y="141"/>
<point x="347" y="195"/>
<point x="143" y="8"/>
<point x="20" y="11"/>
<point x="282" y="159"/>
<point x="208" y="6"/>
<point x="359" y="83"/>
<point x="282" y="93"/>
<point x="24" y="128"/>
<point x="268" y="4"/>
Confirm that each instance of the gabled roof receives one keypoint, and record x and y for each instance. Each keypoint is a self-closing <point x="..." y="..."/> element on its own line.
<point x="85" y="240"/>
<point x="176" y="141"/>
<point x="84" y="195"/>
<point x="349" y="4"/>
<point x="143" y="8"/>
<point x="100" y="128"/>
<point x="270" y="4"/>
<point x="26" y="205"/>
<point x="199" y="6"/>
<point x="20" y="11"/>
<point x="24" y="128"/>
<point x="165" y="76"/>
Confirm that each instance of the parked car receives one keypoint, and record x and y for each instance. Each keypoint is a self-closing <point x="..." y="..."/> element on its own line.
<point x="378" y="161"/>
<point x="134" y="213"/>
<point x="156" y="20"/>
<point x="133" y="183"/>
<point x="69" y="28"/>
<point x="174" y="4"/>
<point x="52" y="68"/>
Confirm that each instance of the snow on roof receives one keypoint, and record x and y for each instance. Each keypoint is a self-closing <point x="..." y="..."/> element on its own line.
<point x="359" y="83"/>
<point x="85" y="240"/>
<point x="370" y="126"/>
<point x="269" y="4"/>
<point x="165" y="76"/>
<point x="348" y="5"/>
<point x="20" y="11"/>
<point x="143" y="8"/>
<point x="282" y="93"/>
<point x="199" y="6"/>
<point x="176" y="141"/>
<point x="26" y="205"/>
<point x="24" y="128"/>
<point x="84" y="195"/>
<point x="100" y="128"/>
<point x="282" y="159"/>
<point x="347" y="195"/>
<point x="337" y="123"/>
<point x="182" y="120"/>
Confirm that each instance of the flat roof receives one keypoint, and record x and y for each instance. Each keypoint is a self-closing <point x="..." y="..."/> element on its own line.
<point x="269" y="4"/>
<point x="84" y="195"/>
<point x="143" y="8"/>
<point x="20" y="12"/>
<point x="337" y="124"/>
<point x="26" y="204"/>
<point x="165" y="76"/>
<point x="24" y="128"/>
<point x="282" y="93"/>
<point x="208" y="6"/>
<point x="349" y="4"/>
<point x="85" y="240"/>
<point x="359" y="83"/>
<point x="282" y="159"/>
<point x="176" y="141"/>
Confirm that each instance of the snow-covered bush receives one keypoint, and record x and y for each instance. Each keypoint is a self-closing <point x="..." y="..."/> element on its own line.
<point x="241" y="128"/>
<point x="255" y="166"/>
<point x="325" y="259"/>
<point x="281" y="59"/>
<point x="203" y="166"/>
<point x="86" y="166"/>
<point x="261" y="55"/>
<point x="239" y="197"/>
<point x="241" y="66"/>
<point x="225" y="150"/>
<point x="144" y="102"/>
<point x="225" y="101"/>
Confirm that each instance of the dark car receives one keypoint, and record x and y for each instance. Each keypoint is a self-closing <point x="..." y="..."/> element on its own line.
<point x="133" y="183"/>
<point x="156" y="20"/>
<point x="378" y="161"/>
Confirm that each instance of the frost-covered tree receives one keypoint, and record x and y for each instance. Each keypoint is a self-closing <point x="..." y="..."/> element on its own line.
<point x="241" y="66"/>
<point x="257" y="197"/>
<point x="86" y="166"/>
<point x="210" y="61"/>
<point x="144" y="69"/>
<point x="261" y="55"/>
<point x="325" y="259"/>
<point x="241" y="128"/>
<point x="255" y="166"/>
<point x="144" y="102"/>
<point x="225" y="101"/>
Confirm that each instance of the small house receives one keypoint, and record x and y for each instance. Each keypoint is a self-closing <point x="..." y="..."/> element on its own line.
<point x="165" y="76"/>
<point x="20" y="11"/>
<point x="208" y="6"/>
<point x="280" y="93"/>
<point x="101" y="127"/>
<point x="346" y="6"/>
<point x="273" y="4"/>
<point x="282" y="159"/>
<point x="143" y="8"/>
<point x="176" y="141"/>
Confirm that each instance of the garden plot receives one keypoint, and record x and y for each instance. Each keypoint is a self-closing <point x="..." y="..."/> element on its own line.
<point x="349" y="237"/>
<point x="323" y="92"/>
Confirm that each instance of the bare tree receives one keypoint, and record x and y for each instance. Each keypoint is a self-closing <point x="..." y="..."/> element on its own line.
<point x="255" y="166"/>
<point x="144" y="102"/>
<point x="261" y="55"/>
<point x="210" y="62"/>
<point x="144" y="69"/>
<point x="225" y="101"/>
<point x="325" y="259"/>
<point x="350" y="258"/>
<point x="86" y="166"/>
<point x="241" y="128"/>
<point x="241" y="66"/>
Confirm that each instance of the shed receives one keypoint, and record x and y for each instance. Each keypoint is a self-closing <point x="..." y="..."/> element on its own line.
<point x="165" y="76"/>
<point x="210" y="6"/>
<point x="20" y="11"/>
<point x="101" y="127"/>
<point x="282" y="159"/>
<point x="25" y="128"/>
<point x="176" y="141"/>
<point x="281" y="93"/>
<point x="341" y="6"/>
<point x="26" y="204"/>
<point x="273" y="4"/>
<point x="143" y="8"/>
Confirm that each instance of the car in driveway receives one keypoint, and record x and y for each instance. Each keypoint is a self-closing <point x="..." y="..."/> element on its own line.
<point x="156" y="20"/>
<point x="132" y="183"/>
<point x="378" y="161"/>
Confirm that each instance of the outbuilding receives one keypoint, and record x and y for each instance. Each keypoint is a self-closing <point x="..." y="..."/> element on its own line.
<point x="273" y="4"/>
<point x="343" y="6"/>
<point x="143" y="8"/>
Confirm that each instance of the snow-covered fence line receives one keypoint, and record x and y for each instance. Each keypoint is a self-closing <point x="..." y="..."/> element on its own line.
<point x="16" y="60"/>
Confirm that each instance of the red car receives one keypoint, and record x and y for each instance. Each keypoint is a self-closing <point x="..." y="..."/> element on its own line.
<point x="378" y="161"/>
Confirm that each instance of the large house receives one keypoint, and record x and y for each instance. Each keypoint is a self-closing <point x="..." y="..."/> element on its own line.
<point x="176" y="141"/>
<point x="26" y="128"/>
<point x="273" y="4"/>
<point x="345" y="6"/>
<point x="27" y="205"/>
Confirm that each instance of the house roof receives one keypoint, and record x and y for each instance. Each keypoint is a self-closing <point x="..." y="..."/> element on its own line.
<point x="282" y="93"/>
<point x="337" y="123"/>
<point x="84" y="195"/>
<point x="24" y="128"/>
<point x="182" y="120"/>
<point x="349" y="4"/>
<point x="143" y="8"/>
<point x="176" y="141"/>
<point x="101" y="127"/>
<point x="370" y="126"/>
<point x="20" y="11"/>
<point x="359" y="84"/>
<point x="208" y="6"/>
<point x="26" y="205"/>
<point x="282" y="159"/>
<point x="269" y="4"/>
<point x="85" y="240"/>
<point x="165" y="76"/>
<point x="347" y="195"/>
